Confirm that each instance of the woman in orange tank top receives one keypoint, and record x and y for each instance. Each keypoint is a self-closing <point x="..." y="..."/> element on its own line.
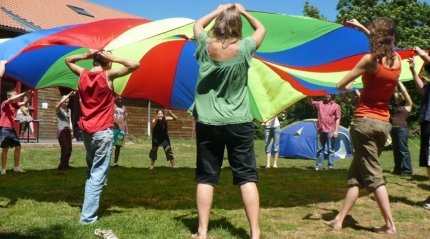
<point x="380" y="71"/>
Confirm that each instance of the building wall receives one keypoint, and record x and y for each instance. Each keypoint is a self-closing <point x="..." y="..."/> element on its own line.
<point x="137" y="117"/>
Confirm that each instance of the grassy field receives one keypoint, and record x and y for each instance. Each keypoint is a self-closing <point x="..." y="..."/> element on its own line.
<point x="160" y="203"/>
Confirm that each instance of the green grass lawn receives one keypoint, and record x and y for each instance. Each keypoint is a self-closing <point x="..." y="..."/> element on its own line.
<point x="160" y="203"/>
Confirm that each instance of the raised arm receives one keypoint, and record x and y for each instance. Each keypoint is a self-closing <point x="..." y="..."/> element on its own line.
<point x="199" y="25"/>
<point x="408" y="99"/>
<point x="357" y="25"/>
<point x="259" y="30"/>
<point x="71" y="61"/>
<point x="63" y="99"/>
<point x="2" y="68"/>
<point x="172" y="116"/>
<point x="423" y="54"/>
<point x="419" y="84"/>
<point x="128" y="65"/>
<point x="17" y="96"/>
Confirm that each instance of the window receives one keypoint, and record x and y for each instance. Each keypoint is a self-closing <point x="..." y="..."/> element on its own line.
<point x="80" y="11"/>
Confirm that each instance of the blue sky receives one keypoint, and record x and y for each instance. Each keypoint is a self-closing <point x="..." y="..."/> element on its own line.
<point x="159" y="9"/>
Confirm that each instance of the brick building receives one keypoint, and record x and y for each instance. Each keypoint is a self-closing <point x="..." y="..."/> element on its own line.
<point x="21" y="16"/>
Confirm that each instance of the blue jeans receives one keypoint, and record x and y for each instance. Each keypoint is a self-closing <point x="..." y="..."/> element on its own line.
<point x="402" y="157"/>
<point x="99" y="149"/>
<point x="325" y="149"/>
<point x="271" y="139"/>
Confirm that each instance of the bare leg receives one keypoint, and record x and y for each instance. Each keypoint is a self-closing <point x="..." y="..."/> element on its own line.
<point x="31" y="127"/>
<point x="275" y="162"/>
<point x="16" y="156"/>
<point x="381" y="196"/>
<point x="117" y="151"/>
<point x="350" y="199"/>
<point x="251" y="201"/>
<point x="4" y="157"/>
<point x="268" y="160"/>
<point x="428" y="172"/>
<point x="204" y="197"/>
<point x="173" y="163"/>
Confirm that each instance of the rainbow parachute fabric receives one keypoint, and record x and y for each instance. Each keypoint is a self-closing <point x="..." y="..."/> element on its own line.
<point x="299" y="56"/>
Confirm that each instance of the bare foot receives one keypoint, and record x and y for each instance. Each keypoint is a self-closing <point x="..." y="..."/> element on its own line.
<point x="384" y="230"/>
<point x="198" y="236"/>
<point x="334" y="224"/>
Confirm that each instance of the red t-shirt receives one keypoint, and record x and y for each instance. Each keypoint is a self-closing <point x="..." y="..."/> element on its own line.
<point x="8" y="112"/>
<point x="378" y="87"/>
<point x="96" y="100"/>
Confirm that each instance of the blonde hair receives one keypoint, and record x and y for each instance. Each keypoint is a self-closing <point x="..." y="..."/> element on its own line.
<point x="228" y="25"/>
<point x="383" y="39"/>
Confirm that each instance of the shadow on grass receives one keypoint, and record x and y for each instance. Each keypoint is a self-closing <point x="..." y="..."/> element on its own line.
<point x="53" y="232"/>
<point x="348" y="222"/>
<point x="404" y="200"/>
<point x="217" y="223"/>
<point x="167" y="188"/>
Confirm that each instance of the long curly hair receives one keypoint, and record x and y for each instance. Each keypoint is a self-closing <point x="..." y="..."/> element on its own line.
<point x="383" y="39"/>
<point x="228" y="25"/>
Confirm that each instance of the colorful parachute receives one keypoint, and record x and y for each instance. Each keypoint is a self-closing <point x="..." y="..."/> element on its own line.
<point x="300" y="56"/>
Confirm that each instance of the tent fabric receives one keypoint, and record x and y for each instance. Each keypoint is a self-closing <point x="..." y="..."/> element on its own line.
<point x="300" y="140"/>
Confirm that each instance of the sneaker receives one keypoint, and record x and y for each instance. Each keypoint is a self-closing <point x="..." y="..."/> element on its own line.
<point x="106" y="234"/>
<point x="318" y="169"/>
<point x="151" y="168"/>
<point x="3" y="171"/>
<point x="330" y="167"/>
<point x="426" y="205"/>
<point x="115" y="164"/>
<point x="18" y="169"/>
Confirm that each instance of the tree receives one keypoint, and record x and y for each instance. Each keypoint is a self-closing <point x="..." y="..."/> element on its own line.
<point x="411" y="16"/>
<point x="312" y="11"/>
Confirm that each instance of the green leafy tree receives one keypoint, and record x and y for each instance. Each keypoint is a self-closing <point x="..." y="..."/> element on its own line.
<point x="412" y="18"/>
<point x="312" y="11"/>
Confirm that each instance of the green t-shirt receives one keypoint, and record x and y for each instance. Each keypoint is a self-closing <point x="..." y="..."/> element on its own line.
<point x="221" y="95"/>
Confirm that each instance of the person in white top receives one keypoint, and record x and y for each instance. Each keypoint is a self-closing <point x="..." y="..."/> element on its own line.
<point x="272" y="133"/>
<point x="24" y="117"/>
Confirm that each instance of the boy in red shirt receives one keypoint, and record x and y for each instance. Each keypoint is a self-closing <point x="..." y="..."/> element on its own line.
<point x="8" y="136"/>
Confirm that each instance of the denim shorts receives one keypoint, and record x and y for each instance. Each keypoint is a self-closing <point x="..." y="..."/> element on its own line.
<point x="211" y="141"/>
<point x="368" y="139"/>
<point x="8" y="138"/>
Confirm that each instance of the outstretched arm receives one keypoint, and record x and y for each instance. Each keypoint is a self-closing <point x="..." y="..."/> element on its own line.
<point x="259" y="30"/>
<point x="358" y="70"/>
<point x="17" y="96"/>
<point x="70" y="61"/>
<point x="357" y="25"/>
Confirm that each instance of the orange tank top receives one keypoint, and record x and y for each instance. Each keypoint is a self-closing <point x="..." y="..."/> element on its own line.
<point x="378" y="87"/>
